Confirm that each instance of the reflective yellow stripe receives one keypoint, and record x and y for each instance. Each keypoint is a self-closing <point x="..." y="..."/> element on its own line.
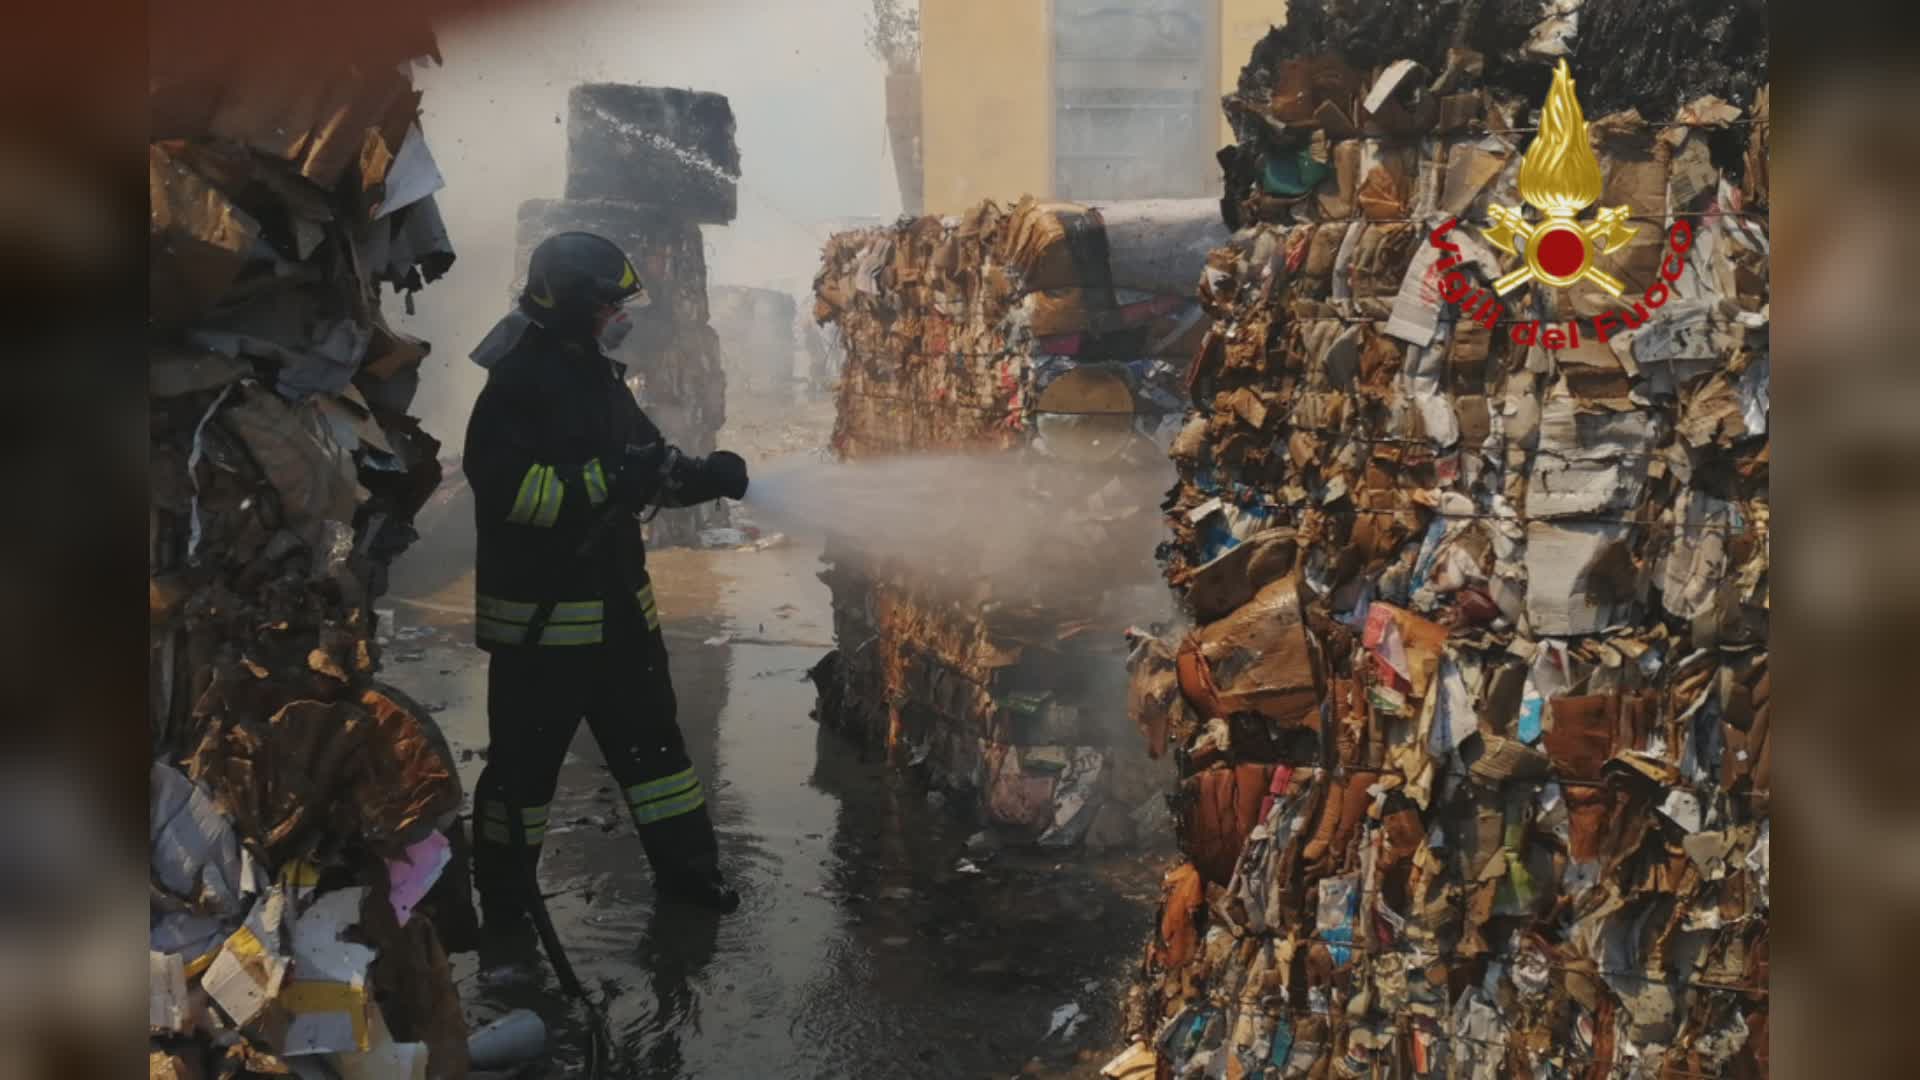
<point x="490" y="607"/>
<point x="595" y="479"/>
<point x="662" y="796"/>
<point x="528" y="500"/>
<point x="581" y="634"/>
<point x="685" y="803"/>
<point x="648" y="607"/>
<point x="579" y="611"/>
<point x="654" y="789"/>
<point x="577" y="622"/>
<point x="550" y="498"/>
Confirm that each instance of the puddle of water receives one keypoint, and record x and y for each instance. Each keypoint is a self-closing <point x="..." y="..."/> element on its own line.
<point x="862" y="947"/>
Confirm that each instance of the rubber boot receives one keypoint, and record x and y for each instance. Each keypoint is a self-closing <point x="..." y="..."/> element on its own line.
<point x="698" y="882"/>
<point x="509" y="945"/>
<point x="686" y="862"/>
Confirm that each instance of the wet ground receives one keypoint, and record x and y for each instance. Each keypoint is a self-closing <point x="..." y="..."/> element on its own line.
<point x="871" y="941"/>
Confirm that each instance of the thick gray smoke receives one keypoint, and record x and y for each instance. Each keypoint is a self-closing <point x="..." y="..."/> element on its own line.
<point x="1021" y="527"/>
<point x="807" y="95"/>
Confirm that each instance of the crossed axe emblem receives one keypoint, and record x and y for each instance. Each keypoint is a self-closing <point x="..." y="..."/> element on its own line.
<point x="1558" y="251"/>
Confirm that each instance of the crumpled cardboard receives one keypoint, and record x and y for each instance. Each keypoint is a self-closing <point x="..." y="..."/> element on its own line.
<point x="1232" y="579"/>
<point x="327" y="998"/>
<point x="168" y="1008"/>
<point x="201" y="239"/>
<point x="1183" y="892"/>
<point x="312" y="475"/>
<point x="285" y="476"/>
<point x="1136" y="1062"/>
<point x="1154" y="701"/>
<point x="196" y="853"/>
<point x="1220" y="808"/>
<point x="1257" y="658"/>
<point x="247" y="974"/>
<point x="317" y="771"/>
<point x="1517" y="812"/>
<point x="1016" y="796"/>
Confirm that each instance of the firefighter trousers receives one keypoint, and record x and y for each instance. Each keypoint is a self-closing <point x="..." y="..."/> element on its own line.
<point x="536" y="698"/>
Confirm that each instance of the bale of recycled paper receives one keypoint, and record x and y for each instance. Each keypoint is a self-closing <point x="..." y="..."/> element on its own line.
<point x="990" y="331"/>
<point x="1527" y="588"/>
<point x="672" y="150"/>
<point x="286" y="475"/>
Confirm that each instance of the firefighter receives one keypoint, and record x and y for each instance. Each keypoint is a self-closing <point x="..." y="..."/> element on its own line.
<point x="562" y="462"/>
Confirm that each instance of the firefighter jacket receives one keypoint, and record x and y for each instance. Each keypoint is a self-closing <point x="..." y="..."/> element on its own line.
<point x="544" y="445"/>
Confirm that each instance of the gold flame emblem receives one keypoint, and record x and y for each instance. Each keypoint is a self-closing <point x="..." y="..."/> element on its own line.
<point x="1559" y="177"/>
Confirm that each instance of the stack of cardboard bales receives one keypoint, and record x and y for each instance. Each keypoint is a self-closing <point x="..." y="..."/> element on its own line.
<point x="646" y="167"/>
<point x="300" y="812"/>
<point x="1473" y="725"/>
<point x="1011" y="332"/>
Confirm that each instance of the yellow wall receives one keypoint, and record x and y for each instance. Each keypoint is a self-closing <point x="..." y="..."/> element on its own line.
<point x="986" y="94"/>
<point x="1242" y="24"/>
<point x="986" y="101"/>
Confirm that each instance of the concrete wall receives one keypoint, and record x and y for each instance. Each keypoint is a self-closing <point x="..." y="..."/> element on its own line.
<point x="986" y="70"/>
<point x="986" y="79"/>
<point x="1242" y="24"/>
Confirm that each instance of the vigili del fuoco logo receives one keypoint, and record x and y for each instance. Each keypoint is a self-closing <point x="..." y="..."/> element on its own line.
<point x="1559" y="178"/>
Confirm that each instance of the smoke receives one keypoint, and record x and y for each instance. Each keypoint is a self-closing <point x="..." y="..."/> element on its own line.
<point x="1006" y="527"/>
<point x="808" y="97"/>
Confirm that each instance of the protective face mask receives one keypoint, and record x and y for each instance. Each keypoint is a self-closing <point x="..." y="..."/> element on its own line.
<point x="614" y="331"/>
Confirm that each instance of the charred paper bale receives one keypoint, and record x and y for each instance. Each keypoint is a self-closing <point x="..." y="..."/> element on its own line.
<point x="672" y="150"/>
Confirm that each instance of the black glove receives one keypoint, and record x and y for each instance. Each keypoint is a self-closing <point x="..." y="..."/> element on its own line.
<point x="728" y="472"/>
<point x="639" y="475"/>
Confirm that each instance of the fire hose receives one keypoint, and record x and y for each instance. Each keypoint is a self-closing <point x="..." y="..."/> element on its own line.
<point x="599" y="1042"/>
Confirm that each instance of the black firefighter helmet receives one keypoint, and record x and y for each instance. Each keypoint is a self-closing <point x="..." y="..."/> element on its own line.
<point x="572" y="275"/>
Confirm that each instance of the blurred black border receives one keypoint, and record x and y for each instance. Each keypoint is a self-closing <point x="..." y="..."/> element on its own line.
<point x="72" y="116"/>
